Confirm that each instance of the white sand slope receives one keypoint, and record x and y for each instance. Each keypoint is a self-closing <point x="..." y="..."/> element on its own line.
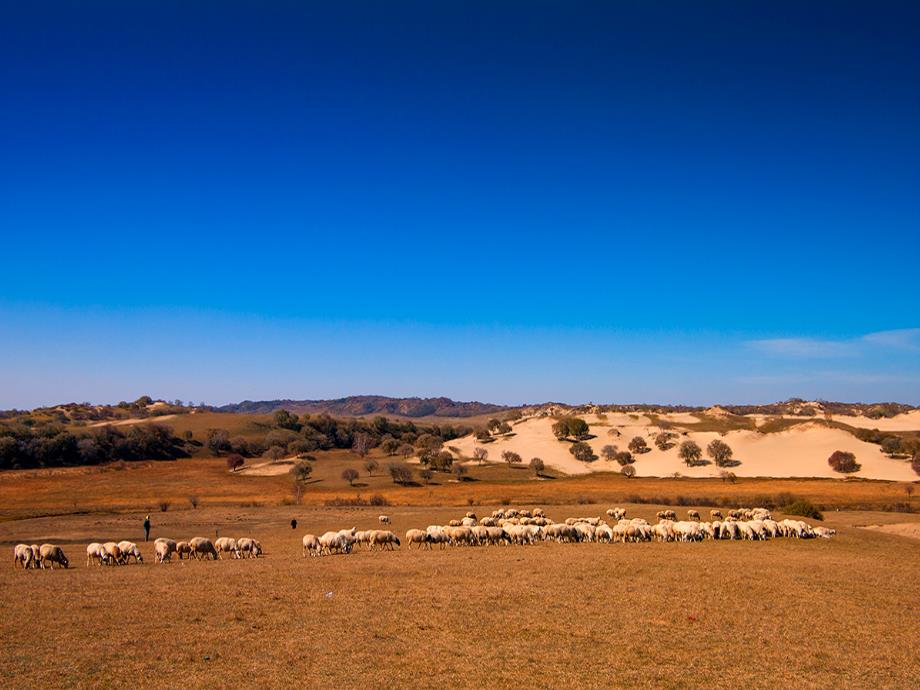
<point x="800" y="451"/>
<point x="906" y="421"/>
<point x="134" y="420"/>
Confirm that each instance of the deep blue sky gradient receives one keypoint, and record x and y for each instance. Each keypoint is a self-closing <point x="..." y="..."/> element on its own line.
<point x="652" y="188"/>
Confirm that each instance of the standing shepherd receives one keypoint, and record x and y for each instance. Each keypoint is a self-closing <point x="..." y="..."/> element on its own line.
<point x="147" y="528"/>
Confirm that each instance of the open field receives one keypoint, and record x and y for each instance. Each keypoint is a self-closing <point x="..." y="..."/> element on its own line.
<point x="713" y="614"/>
<point x="142" y="486"/>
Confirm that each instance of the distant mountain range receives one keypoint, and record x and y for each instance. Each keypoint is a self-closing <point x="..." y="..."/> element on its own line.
<point x="358" y="405"/>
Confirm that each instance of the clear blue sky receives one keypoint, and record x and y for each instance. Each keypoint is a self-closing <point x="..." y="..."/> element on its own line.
<point x="511" y="202"/>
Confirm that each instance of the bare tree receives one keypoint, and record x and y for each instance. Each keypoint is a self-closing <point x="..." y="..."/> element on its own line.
<point x="609" y="452"/>
<point x="361" y="444"/>
<point x="349" y="475"/>
<point x="370" y="466"/>
<point x="536" y="465"/>
<point x="480" y="454"/>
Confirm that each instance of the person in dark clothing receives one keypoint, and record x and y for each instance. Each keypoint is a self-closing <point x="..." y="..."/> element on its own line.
<point x="294" y="523"/>
<point x="147" y="528"/>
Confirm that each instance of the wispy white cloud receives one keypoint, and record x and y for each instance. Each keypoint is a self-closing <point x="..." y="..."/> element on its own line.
<point x="804" y="347"/>
<point x="902" y="339"/>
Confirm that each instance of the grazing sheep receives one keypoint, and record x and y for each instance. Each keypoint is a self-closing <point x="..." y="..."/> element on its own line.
<point x="468" y="522"/>
<point x="111" y="548"/>
<point x="420" y="537"/>
<point x="538" y="512"/>
<point x="603" y="534"/>
<point x="95" y="553"/>
<point x="227" y="545"/>
<point x="183" y="549"/>
<point x="384" y="519"/>
<point x="203" y="548"/>
<point x="693" y="515"/>
<point x="23" y="556"/>
<point x="715" y="514"/>
<point x="454" y="523"/>
<point x="249" y="548"/>
<point x="129" y="549"/>
<point x="384" y="539"/>
<point x="336" y="542"/>
<point x="471" y="516"/>
<point x="311" y="545"/>
<point x="52" y="553"/>
<point x="824" y="532"/>
<point x="164" y="549"/>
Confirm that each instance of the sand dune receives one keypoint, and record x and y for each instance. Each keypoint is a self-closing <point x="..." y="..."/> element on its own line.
<point x="907" y="421"/>
<point x="134" y="420"/>
<point x="801" y="451"/>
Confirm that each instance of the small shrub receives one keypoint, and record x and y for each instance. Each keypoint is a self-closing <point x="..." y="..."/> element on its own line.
<point x="301" y="471"/>
<point x="349" y="475"/>
<point x="609" y="452"/>
<point x="584" y="500"/>
<point x="665" y="440"/>
<point x="371" y="465"/>
<point x="164" y="505"/>
<point x="193" y="501"/>
<point x="537" y="466"/>
<point x="378" y="500"/>
<point x="720" y="452"/>
<point x="624" y="457"/>
<point x="582" y="451"/>
<point x="628" y="471"/>
<point x="426" y="475"/>
<point x="638" y="445"/>
<point x="690" y="453"/>
<point x="511" y="458"/>
<point x="235" y="461"/>
<point x="844" y="462"/>
<point x="804" y="508"/>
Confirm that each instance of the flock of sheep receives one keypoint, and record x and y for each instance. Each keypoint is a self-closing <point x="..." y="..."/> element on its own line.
<point x="110" y="553"/>
<point x="513" y="526"/>
<point x="507" y="526"/>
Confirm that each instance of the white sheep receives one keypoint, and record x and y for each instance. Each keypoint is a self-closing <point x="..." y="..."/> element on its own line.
<point x="384" y="539"/>
<point x="95" y="553"/>
<point x="129" y="549"/>
<point x="22" y="556"/>
<point x="417" y="536"/>
<point x="311" y="545"/>
<point x="249" y="547"/>
<point x="336" y="542"/>
<point x="227" y="545"/>
<point x="164" y="549"/>
<point x="111" y="548"/>
<point x="384" y="519"/>
<point x="203" y="548"/>
<point x="52" y="553"/>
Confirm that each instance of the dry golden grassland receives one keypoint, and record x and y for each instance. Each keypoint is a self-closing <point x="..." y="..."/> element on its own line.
<point x="784" y="613"/>
<point x="142" y="486"/>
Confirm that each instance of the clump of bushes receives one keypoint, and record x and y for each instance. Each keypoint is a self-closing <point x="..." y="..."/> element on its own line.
<point x="571" y="427"/>
<point x="582" y="451"/>
<point x="844" y="462"/>
<point x="804" y="508"/>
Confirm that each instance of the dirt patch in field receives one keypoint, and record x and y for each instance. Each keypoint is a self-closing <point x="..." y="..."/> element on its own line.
<point x="268" y="469"/>
<point x="901" y="529"/>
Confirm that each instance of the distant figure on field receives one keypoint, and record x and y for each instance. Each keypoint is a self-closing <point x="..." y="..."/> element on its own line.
<point x="294" y="523"/>
<point x="147" y="528"/>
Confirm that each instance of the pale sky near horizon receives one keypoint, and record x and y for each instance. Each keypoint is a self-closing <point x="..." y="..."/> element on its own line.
<point x="511" y="202"/>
